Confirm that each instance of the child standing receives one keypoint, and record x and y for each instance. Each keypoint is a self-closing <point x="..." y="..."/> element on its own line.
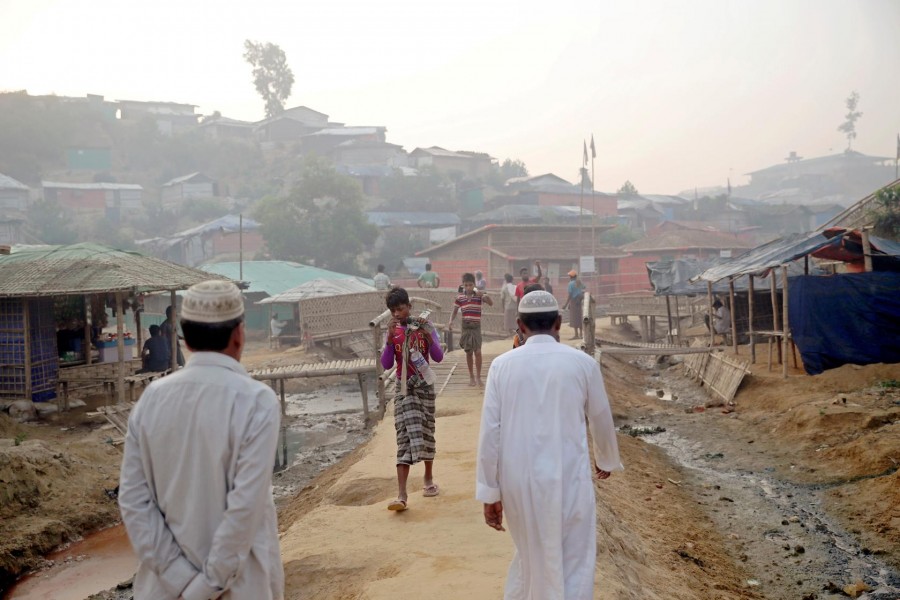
<point x="469" y="303"/>
<point x="414" y="402"/>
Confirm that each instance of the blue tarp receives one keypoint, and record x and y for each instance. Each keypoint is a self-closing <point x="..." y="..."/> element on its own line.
<point x="853" y="318"/>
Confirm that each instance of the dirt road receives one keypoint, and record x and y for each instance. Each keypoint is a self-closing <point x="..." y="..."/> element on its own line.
<point x="793" y="494"/>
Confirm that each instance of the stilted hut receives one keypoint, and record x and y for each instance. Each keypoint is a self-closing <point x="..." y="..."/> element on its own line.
<point x="37" y="283"/>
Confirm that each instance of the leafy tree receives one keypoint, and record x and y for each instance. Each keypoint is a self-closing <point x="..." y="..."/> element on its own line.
<point x="49" y="224"/>
<point x="848" y="127"/>
<point x="619" y="236"/>
<point x="429" y="190"/>
<point x="627" y="189"/>
<point x="272" y="76"/>
<point x="887" y="213"/>
<point x="321" y="221"/>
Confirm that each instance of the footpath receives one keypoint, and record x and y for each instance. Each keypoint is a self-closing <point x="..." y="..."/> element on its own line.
<point x="339" y="541"/>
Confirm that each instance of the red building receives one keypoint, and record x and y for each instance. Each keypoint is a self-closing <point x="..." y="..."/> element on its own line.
<point x="670" y="240"/>
<point x="499" y="249"/>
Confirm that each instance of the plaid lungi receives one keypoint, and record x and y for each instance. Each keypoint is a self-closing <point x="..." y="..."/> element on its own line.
<point x="470" y="338"/>
<point x="414" y="422"/>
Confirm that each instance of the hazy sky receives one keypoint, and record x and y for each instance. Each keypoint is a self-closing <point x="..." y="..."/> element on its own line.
<point x="678" y="94"/>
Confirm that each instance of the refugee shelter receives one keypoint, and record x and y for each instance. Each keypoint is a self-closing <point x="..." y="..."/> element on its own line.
<point x="287" y="303"/>
<point x="832" y="319"/>
<point x="53" y="302"/>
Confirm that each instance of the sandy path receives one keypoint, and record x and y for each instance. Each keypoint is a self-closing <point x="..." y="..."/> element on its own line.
<point x="345" y="544"/>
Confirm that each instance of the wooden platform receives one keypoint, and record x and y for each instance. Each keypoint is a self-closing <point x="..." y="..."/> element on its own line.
<point x="325" y="369"/>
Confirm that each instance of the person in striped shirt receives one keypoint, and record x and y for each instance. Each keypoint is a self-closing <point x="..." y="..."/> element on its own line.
<point x="469" y="303"/>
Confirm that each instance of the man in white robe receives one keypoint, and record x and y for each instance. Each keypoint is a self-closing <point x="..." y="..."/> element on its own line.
<point x="533" y="459"/>
<point x="196" y="483"/>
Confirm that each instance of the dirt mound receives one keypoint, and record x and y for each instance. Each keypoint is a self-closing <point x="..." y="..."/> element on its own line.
<point x="52" y="492"/>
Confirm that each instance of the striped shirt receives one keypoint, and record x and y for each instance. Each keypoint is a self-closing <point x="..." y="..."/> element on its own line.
<point x="470" y="307"/>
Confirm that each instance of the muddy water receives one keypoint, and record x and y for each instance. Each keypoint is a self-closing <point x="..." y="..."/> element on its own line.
<point x="97" y="563"/>
<point x="778" y="528"/>
<point x="318" y="425"/>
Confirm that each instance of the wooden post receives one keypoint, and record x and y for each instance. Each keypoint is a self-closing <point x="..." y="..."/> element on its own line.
<point x="806" y="265"/>
<point x="734" y="341"/>
<point x="774" y="292"/>
<point x="139" y="346"/>
<point x="677" y="321"/>
<point x="88" y="320"/>
<point x="377" y="341"/>
<point x="26" y="329"/>
<point x="120" y="349"/>
<point x="669" y="320"/>
<point x="283" y="399"/>
<point x="750" y="319"/>
<point x="867" y="250"/>
<point x="652" y="329"/>
<point x="712" y="322"/>
<point x="173" y="341"/>
<point x="364" y="391"/>
<point x="786" y="335"/>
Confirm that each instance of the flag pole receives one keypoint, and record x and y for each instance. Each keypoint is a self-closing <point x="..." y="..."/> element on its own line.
<point x="581" y="172"/>
<point x="593" y="219"/>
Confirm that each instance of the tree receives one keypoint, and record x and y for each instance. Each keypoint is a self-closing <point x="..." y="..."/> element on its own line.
<point x="848" y="127"/>
<point x="321" y="221"/>
<point x="887" y="213"/>
<point x="272" y="76"/>
<point x="627" y="189"/>
<point x="49" y="224"/>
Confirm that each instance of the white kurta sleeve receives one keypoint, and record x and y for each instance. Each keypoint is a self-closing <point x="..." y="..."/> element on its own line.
<point x="487" y="478"/>
<point x="146" y="526"/>
<point x="603" y="431"/>
<point x="247" y="503"/>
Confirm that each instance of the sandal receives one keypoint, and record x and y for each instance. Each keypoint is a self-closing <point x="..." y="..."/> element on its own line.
<point x="430" y="491"/>
<point x="397" y="505"/>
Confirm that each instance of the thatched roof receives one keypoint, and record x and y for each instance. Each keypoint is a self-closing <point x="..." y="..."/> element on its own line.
<point x="90" y="269"/>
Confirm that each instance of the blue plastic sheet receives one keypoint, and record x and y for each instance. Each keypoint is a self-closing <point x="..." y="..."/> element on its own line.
<point x="852" y="318"/>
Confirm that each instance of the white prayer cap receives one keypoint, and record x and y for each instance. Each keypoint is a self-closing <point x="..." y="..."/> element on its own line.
<point x="538" y="301"/>
<point x="212" y="302"/>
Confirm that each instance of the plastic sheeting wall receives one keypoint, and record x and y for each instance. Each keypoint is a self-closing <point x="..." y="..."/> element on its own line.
<point x="843" y="319"/>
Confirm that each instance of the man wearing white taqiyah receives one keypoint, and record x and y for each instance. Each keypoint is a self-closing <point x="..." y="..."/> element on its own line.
<point x="196" y="482"/>
<point x="533" y="459"/>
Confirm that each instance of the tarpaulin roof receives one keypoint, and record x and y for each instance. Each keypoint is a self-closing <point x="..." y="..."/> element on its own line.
<point x="272" y="276"/>
<point x="319" y="288"/>
<point x="673" y="277"/>
<point x="89" y="269"/>
<point x="772" y="254"/>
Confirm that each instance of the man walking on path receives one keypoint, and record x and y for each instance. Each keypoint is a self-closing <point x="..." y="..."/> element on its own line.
<point x="196" y="482"/>
<point x="408" y="340"/>
<point x="469" y="304"/>
<point x="534" y="464"/>
<point x="523" y="273"/>
<point x="429" y="279"/>
<point x="575" y="297"/>
<point x="381" y="280"/>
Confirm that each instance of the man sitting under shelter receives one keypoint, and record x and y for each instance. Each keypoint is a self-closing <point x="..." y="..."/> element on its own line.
<point x="156" y="354"/>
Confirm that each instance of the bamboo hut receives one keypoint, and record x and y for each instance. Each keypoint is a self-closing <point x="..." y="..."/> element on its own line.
<point x="34" y="279"/>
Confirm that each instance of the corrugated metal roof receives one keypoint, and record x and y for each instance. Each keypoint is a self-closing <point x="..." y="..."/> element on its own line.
<point x="346" y="131"/>
<point x="8" y="183"/>
<point x="319" y="288"/>
<point x="89" y="269"/>
<point x="772" y="254"/>
<point x="516" y="212"/>
<point x="524" y="229"/>
<point x="90" y="186"/>
<point x="187" y="177"/>
<point x="226" y="224"/>
<point x="273" y="276"/>
<point x="685" y="239"/>
<point x="413" y="219"/>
